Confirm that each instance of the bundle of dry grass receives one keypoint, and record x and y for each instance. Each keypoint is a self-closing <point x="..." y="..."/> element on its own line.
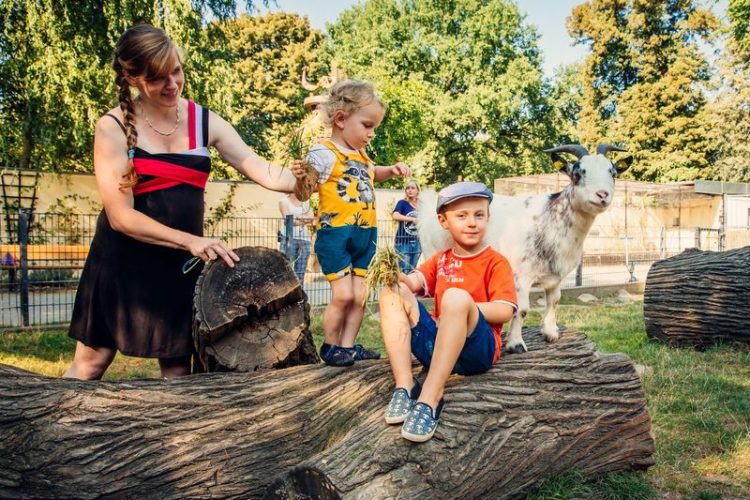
<point x="296" y="150"/>
<point x="383" y="271"/>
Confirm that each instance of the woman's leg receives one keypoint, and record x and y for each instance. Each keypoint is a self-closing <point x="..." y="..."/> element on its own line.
<point x="175" y="367"/>
<point x="415" y="251"/>
<point x="399" y="311"/>
<point x="402" y="250"/>
<point x="90" y="363"/>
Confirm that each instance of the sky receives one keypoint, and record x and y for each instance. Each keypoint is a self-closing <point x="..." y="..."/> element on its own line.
<point x="547" y="15"/>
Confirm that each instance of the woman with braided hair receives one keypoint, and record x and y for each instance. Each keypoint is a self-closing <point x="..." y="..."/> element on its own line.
<point x="151" y="162"/>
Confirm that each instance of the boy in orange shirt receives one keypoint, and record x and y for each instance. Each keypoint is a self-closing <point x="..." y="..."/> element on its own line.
<point x="474" y="295"/>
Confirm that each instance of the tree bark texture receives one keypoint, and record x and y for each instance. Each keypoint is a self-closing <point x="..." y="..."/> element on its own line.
<point x="697" y="299"/>
<point x="318" y="431"/>
<point x="251" y="317"/>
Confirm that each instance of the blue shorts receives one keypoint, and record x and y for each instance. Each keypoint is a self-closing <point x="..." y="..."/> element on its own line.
<point x="345" y="249"/>
<point x="477" y="355"/>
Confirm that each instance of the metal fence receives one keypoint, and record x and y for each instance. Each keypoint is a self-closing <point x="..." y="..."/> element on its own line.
<point x="42" y="264"/>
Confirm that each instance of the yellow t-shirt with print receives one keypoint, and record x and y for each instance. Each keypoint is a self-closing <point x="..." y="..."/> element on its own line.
<point x="347" y="197"/>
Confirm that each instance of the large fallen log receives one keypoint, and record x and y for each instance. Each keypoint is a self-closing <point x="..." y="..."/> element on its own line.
<point x="251" y="317"/>
<point x="318" y="431"/>
<point x="698" y="299"/>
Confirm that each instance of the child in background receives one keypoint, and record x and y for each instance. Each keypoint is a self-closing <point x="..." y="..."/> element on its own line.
<point x="474" y="295"/>
<point x="346" y="240"/>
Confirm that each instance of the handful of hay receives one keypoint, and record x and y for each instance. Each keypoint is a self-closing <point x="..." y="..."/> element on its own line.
<point x="296" y="150"/>
<point x="383" y="271"/>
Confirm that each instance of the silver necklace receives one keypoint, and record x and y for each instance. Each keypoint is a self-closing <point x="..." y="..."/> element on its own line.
<point x="177" y="123"/>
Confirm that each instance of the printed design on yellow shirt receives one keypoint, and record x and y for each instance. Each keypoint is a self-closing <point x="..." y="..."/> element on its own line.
<point x="347" y="197"/>
<point x="356" y="172"/>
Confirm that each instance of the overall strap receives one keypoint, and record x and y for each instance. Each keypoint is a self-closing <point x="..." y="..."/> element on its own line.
<point x="330" y="145"/>
<point x="340" y="154"/>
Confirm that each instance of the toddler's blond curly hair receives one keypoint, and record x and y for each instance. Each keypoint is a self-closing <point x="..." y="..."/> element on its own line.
<point x="348" y="96"/>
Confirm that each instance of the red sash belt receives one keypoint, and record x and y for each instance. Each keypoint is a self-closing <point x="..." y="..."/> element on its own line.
<point x="167" y="175"/>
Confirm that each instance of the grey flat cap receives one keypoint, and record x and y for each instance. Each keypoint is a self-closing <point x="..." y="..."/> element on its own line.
<point x="460" y="190"/>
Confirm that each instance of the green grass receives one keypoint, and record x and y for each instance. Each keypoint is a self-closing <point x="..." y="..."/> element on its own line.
<point x="699" y="402"/>
<point x="50" y="353"/>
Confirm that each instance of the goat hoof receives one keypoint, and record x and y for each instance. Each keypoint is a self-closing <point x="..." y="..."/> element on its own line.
<point x="518" y="348"/>
<point x="551" y="337"/>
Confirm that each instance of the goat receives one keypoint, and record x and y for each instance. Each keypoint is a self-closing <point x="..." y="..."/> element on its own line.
<point x="541" y="236"/>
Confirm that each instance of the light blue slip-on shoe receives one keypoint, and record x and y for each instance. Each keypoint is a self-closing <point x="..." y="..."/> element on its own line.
<point x="401" y="403"/>
<point x="421" y="422"/>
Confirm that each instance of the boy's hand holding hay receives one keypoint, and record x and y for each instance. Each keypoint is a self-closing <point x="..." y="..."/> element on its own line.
<point x="383" y="271"/>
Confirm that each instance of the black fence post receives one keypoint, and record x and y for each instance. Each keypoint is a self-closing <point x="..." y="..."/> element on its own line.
<point x="288" y="235"/>
<point x="579" y="272"/>
<point x="23" y="239"/>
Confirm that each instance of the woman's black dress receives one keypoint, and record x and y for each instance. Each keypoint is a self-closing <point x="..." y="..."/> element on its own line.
<point x="133" y="296"/>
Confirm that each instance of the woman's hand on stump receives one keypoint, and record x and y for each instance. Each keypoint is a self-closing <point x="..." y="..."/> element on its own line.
<point x="208" y="249"/>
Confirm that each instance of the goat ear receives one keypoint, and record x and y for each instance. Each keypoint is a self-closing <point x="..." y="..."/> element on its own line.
<point x="623" y="164"/>
<point x="560" y="164"/>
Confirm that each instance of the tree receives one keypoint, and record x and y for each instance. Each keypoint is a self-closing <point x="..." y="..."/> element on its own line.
<point x="645" y="82"/>
<point x="261" y="60"/>
<point x="55" y="75"/>
<point x="463" y="82"/>
<point x="729" y="109"/>
<point x="739" y="18"/>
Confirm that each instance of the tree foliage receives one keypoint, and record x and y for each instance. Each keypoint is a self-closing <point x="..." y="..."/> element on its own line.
<point x="463" y="81"/>
<point x="55" y="69"/>
<point x="645" y="81"/>
<point x="739" y="18"/>
<point x="262" y="59"/>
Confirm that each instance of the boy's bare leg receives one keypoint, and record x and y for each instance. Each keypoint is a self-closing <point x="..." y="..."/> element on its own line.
<point x="399" y="310"/>
<point x="342" y="296"/>
<point x="458" y="318"/>
<point x="355" y="314"/>
<point x="90" y="363"/>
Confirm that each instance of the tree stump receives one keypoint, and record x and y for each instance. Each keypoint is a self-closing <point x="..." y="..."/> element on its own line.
<point x="318" y="431"/>
<point x="251" y="317"/>
<point x="697" y="299"/>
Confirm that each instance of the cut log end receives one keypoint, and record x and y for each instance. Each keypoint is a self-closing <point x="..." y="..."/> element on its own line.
<point x="252" y="317"/>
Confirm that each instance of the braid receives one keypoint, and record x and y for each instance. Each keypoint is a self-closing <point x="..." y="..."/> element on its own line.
<point x="130" y="178"/>
<point x="142" y="50"/>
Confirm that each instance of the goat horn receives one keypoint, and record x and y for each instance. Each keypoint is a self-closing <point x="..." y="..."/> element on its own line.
<point x="574" y="149"/>
<point x="305" y="84"/>
<point x="334" y="73"/>
<point x="603" y="149"/>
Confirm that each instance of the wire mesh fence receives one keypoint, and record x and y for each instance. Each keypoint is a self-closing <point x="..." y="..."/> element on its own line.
<point x="40" y="269"/>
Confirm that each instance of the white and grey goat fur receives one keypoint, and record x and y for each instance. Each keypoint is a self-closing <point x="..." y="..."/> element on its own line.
<point x="541" y="236"/>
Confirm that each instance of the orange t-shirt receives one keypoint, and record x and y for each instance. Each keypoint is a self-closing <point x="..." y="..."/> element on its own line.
<point x="486" y="275"/>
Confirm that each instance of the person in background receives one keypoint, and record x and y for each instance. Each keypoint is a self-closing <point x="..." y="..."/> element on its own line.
<point x="407" y="241"/>
<point x="298" y="249"/>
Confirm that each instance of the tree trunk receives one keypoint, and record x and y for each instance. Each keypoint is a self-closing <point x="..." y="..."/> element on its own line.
<point x="698" y="299"/>
<point x="319" y="431"/>
<point x="252" y="317"/>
